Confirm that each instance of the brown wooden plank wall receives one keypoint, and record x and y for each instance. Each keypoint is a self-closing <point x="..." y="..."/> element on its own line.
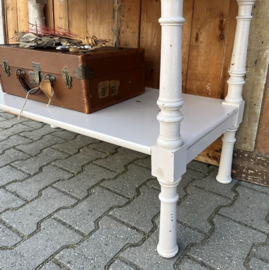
<point x="16" y="16"/>
<point x="207" y="33"/>
<point x="208" y="36"/>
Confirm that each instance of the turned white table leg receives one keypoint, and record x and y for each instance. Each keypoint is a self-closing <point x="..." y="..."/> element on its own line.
<point x="236" y="83"/>
<point x="224" y="174"/>
<point x="36" y="14"/>
<point x="167" y="246"/>
<point x="169" y="156"/>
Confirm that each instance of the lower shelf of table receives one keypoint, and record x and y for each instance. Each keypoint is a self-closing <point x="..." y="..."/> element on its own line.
<point x="132" y="123"/>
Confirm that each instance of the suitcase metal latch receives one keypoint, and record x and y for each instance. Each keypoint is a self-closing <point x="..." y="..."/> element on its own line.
<point x="83" y="72"/>
<point x="6" y="66"/>
<point x="35" y="76"/>
<point x="67" y="77"/>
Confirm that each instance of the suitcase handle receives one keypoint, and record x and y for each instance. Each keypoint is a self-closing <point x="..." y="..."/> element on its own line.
<point x="25" y="86"/>
<point x="32" y="91"/>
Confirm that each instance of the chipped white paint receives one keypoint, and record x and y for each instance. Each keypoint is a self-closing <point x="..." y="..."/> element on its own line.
<point x="236" y="83"/>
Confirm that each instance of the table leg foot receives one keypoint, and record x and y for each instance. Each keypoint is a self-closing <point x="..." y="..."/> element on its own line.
<point x="225" y="168"/>
<point x="167" y="246"/>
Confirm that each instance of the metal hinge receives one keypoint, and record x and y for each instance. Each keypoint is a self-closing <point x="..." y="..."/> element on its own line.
<point x="6" y="66"/>
<point x="83" y="72"/>
<point x="67" y="78"/>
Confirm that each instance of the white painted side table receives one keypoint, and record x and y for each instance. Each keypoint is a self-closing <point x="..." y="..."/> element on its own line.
<point x="172" y="140"/>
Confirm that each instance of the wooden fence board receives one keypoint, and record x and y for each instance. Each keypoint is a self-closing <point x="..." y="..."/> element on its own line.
<point x="77" y="17"/>
<point x="231" y="26"/>
<point x="186" y="38"/>
<point x="207" y="47"/>
<point x="61" y="16"/>
<point x="49" y="13"/>
<point x="212" y="154"/>
<point x="100" y="19"/>
<point x="22" y="11"/>
<point x="130" y="23"/>
<point x="150" y="40"/>
<point x="11" y="19"/>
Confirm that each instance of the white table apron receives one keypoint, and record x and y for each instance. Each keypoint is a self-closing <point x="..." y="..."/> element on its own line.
<point x="179" y="133"/>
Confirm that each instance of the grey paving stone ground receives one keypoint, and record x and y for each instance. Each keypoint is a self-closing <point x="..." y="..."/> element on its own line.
<point x="97" y="250"/>
<point x="146" y="162"/>
<point x="37" y="249"/>
<point x="35" y="147"/>
<point x="64" y="134"/>
<point x="256" y="264"/>
<point x="83" y="215"/>
<point x="25" y="219"/>
<point x="253" y="214"/>
<point x="7" y="237"/>
<point x="76" y="161"/>
<point x="146" y="257"/>
<point x="2" y="118"/>
<point x="81" y="183"/>
<point x="30" y="188"/>
<point x="37" y="134"/>
<point x="200" y="167"/>
<point x="143" y="209"/>
<point x="209" y="183"/>
<point x="198" y="207"/>
<point x="119" y="160"/>
<point x="33" y="124"/>
<point x="228" y="246"/>
<point x="128" y="182"/>
<point x="255" y="187"/>
<point x="71" y="202"/>
<point x="188" y="264"/>
<point x="8" y="200"/>
<point x="12" y="155"/>
<point x="33" y="164"/>
<point x="15" y="129"/>
<point x="104" y="147"/>
<point x="13" y="121"/>
<point x="72" y="147"/>
<point x="13" y="141"/>
<point x="51" y="266"/>
<point x="119" y="265"/>
<point x="263" y="252"/>
<point x="9" y="174"/>
<point x="7" y="115"/>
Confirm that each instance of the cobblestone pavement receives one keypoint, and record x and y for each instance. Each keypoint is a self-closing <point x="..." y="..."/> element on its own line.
<point x="72" y="202"/>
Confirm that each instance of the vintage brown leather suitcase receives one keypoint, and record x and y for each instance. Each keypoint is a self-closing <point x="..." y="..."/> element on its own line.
<point x="82" y="82"/>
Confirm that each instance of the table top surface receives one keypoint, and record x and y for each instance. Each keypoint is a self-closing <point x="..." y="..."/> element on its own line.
<point x="132" y="123"/>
